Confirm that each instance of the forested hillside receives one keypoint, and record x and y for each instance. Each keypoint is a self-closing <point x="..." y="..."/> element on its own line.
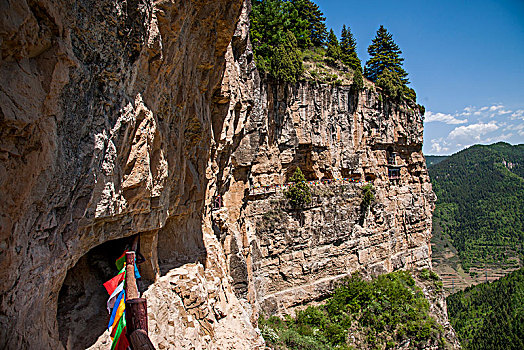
<point x="479" y="214"/>
<point x="490" y="315"/>
<point x="433" y="160"/>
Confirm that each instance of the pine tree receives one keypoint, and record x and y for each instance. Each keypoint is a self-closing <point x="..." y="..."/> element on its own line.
<point x="297" y="24"/>
<point x="348" y="48"/>
<point x="384" y="53"/>
<point x="333" y="46"/>
<point x="310" y="12"/>
<point x="273" y="24"/>
<point x="266" y="30"/>
<point x="358" y="82"/>
<point x="286" y="63"/>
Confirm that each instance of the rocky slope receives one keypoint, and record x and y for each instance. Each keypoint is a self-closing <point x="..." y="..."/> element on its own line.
<point x="120" y="118"/>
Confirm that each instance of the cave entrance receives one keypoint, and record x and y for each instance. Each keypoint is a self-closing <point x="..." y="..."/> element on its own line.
<point x="82" y="315"/>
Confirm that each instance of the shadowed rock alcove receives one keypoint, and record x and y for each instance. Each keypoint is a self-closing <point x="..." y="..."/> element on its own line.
<point x="82" y="315"/>
<point x="180" y="242"/>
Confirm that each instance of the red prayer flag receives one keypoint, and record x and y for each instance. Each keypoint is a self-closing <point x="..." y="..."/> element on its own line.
<point x="114" y="282"/>
<point x="122" y="343"/>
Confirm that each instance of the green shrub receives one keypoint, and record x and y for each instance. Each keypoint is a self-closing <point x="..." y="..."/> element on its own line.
<point x="298" y="194"/>
<point x="421" y="109"/>
<point x="368" y="195"/>
<point x="390" y="83"/>
<point x="311" y="316"/>
<point x="286" y="62"/>
<point x="428" y="274"/>
<point x="383" y="313"/>
<point x="409" y="94"/>
<point x="358" y="81"/>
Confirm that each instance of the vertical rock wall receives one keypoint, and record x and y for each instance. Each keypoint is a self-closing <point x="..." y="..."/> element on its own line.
<point x="105" y="132"/>
<point x="280" y="258"/>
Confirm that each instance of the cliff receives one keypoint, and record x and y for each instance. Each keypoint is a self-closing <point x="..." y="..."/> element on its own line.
<point x="140" y="117"/>
<point x="279" y="257"/>
<point x="106" y="133"/>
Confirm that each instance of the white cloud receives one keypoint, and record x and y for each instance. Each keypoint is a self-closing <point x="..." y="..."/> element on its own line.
<point x="501" y="137"/>
<point x="444" y="118"/>
<point x="473" y="131"/>
<point x="518" y="128"/>
<point x="438" y="146"/>
<point x="481" y="125"/>
<point x="519" y="114"/>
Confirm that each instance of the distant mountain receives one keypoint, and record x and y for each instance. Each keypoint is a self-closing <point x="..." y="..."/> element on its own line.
<point x="490" y="315"/>
<point x="432" y="160"/>
<point x="479" y="215"/>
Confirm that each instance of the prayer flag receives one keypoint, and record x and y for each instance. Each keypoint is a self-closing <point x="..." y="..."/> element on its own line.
<point x="121" y="261"/>
<point x="114" y="282"/>
<point x="118" y="310"/>
<point x="122" y="343"/>
<point x="114" y="296"/>
<point x="118" y="333"/>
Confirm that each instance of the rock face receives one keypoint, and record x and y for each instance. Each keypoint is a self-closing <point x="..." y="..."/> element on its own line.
<point x="127" y="117"/>
<point x="105" y="132"/>
<point x="280" y="258"/>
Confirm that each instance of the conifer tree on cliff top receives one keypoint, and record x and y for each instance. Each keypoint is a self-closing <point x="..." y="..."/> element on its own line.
<point x="333" y="46"/>
<point x="348" y="47"/>
<point x="384" y="54"/>
<point x="310" y="12"/>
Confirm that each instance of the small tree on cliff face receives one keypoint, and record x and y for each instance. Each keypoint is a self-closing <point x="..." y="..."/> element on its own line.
<point x="298" y="194"/>
<point x="368" y="195"/>
<point x="358" y="81"/>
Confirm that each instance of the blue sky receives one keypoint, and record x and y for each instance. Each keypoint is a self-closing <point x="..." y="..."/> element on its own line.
<point x="465" y="60"/>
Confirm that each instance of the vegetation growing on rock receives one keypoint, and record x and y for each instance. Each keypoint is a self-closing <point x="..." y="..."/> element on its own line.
<point x="286" y="34"/>
<point x="368" y="195"/>
<point x="298" y="194"/>
<point x="378" y="314"/>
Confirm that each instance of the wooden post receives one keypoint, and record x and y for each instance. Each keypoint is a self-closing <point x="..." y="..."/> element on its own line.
<point x="131" y="289"/>
<point x="134" y="244"/>
<point x="140" y="341"/>
<point x="136" y="309"/>
<point x="136" y="315"/>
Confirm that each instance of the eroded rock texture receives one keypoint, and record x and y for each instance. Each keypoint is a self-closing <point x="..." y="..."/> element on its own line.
<point x="280" y="258"/>
<point x="105" y="132"/>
